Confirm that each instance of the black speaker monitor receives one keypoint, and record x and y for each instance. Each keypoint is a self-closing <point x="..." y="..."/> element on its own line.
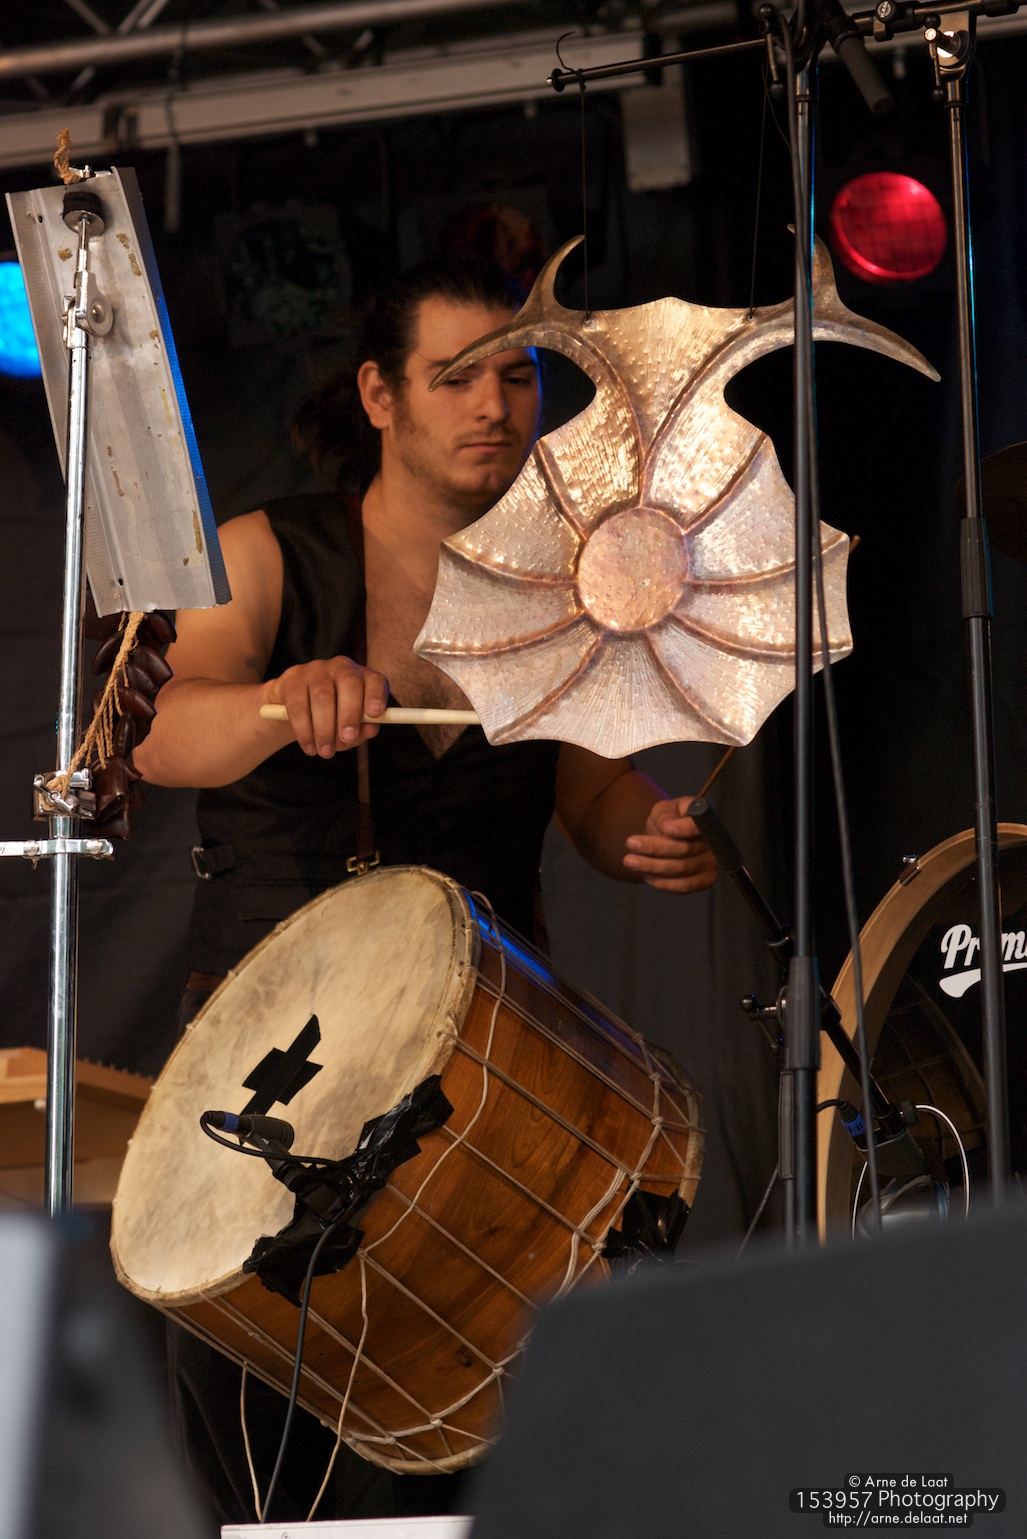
<point x="85" y="1447"/>
<point x="778" y="1396"/>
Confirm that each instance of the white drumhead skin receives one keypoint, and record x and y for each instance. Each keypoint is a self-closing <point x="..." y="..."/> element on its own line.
<point x="387" y="964"/>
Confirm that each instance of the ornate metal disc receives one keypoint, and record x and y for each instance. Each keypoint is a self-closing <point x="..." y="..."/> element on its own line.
<point x="636" y="583"/>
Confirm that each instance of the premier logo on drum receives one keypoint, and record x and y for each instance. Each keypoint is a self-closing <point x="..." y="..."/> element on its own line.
<point x="959" y="947"/>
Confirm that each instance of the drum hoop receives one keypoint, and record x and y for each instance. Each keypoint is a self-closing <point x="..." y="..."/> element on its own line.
<point x="888" y="941"/>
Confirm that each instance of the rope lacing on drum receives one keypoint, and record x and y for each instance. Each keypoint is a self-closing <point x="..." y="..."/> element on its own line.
<point x="580" y="1233"/>
<point x="435" y="1423"/>
<point x="624" y="1183"/>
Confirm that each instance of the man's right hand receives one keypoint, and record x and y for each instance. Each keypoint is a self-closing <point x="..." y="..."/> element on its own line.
<point x="327" y="701"/>
<point x="208" y="730"/>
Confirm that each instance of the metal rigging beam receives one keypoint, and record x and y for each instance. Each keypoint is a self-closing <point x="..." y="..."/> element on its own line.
<point x="74" y="54"/>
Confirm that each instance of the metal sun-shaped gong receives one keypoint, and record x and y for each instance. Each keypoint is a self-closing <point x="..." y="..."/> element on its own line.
<point x="636" y="584"/>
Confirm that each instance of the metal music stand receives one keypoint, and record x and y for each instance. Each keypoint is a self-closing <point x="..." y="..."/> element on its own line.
<point x="139" y="521"/>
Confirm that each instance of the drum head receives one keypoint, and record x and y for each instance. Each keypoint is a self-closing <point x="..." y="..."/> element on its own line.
<point x="386" y="964"/>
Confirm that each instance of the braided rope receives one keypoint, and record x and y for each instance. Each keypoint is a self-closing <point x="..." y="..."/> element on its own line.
<point x="99" y="736"/>
<point x="68" y="173"/>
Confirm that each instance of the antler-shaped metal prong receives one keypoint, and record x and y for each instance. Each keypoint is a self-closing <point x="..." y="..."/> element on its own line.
<point x="541" y="320"/>
<point x="835" y="322"/>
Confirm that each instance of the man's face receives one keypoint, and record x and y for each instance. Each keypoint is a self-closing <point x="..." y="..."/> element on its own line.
<point x="467" y="440"/>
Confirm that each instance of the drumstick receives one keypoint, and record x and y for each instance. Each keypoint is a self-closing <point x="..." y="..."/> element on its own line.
<point x="396" y="716"/>
<point x="715" y="772"/>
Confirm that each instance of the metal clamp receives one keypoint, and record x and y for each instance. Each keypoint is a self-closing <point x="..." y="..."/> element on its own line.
<point x="41" y="849"/>
<point x="92" y="309"/>
<point x="951" y="50"/>
<point x="910" y="869"/>
<point x="355" y="866"/>
<point x="75" y="802"/>
<point x="88" y="309"/>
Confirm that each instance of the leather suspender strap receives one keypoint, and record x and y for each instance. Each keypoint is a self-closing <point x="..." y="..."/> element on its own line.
<point x="366" y="857"/>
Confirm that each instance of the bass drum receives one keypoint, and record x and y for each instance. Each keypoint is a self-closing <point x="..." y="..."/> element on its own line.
<point x="921" y="979"/>
<point x="559" y="1114"/>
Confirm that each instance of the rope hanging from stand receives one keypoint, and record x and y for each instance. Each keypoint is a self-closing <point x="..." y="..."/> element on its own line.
<point x="99" y="736"/>
<point x="68" y="173"/>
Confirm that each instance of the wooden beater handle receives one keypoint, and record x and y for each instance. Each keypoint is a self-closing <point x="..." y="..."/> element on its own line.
<point x="396" y="716"/>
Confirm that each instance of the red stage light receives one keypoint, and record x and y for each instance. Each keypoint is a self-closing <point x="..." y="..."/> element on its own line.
<point x="888" y="228"/>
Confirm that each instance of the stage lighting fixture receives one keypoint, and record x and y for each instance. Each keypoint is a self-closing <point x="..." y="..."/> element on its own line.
<point x="888" y="228"/>
<point x="18" y="355"/>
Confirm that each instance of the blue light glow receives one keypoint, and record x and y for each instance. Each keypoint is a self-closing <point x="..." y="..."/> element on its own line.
<point x="516" y="950"/>
<point x="527" y="960"/>
<point x="18" y="355"/>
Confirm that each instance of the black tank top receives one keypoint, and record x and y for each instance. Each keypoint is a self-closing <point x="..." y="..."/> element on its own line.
<point x="282" y="834"/>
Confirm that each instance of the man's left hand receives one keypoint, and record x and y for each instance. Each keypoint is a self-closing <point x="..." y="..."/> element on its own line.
<point x="671" y="854"/>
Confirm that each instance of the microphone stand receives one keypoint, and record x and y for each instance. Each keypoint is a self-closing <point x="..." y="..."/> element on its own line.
<point x="951" y="51"/>
<point x="952" y="54"/>
<point x="951" y="46"/>
<point x="801" y="1001"/>
<point x="951" y="69"/>
<point x="801" y="1055"/>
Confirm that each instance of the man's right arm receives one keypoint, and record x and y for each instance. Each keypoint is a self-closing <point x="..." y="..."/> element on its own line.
<point x="208" y="731"/>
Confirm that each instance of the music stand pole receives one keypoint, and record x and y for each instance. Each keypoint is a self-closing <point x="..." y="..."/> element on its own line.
<point x="152" y="535"/>
<point x="86" y="311"/>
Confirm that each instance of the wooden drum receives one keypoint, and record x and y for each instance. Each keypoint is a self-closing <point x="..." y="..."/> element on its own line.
<point x="560" y="1113"/>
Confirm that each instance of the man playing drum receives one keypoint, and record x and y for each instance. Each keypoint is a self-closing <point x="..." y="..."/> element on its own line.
<point x="328" y="633"/>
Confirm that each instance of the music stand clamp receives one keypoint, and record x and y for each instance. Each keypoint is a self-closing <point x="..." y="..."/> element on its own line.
<point x="140" y="555"/>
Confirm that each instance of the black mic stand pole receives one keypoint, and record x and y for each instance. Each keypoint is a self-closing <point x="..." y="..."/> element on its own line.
<point x="801" y="1002"/>
<point x="815" y="21"/>
<point x="952" y="53"/>
<point x="800" y="1024"/>
<point x="801" y="1012"/>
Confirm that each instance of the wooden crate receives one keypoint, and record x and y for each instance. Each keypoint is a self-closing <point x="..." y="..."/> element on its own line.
<point x="107" y="1107"/>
